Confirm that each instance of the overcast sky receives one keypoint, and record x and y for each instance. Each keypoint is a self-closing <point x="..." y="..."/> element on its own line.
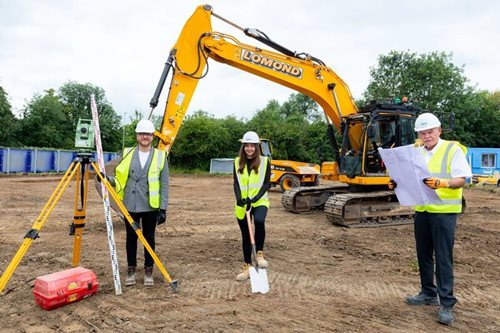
<point x="122" y="45"/>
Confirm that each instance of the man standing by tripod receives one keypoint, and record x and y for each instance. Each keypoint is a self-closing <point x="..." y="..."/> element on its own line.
<point x="141" y="181"/>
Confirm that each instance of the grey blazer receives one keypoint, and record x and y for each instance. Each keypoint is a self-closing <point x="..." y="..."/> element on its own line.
<point x="136" y="195"/>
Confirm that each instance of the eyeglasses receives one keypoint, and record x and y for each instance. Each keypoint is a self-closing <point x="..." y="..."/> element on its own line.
<point x="145" y="134"/>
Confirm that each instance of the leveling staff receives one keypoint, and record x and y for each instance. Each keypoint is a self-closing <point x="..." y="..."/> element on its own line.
<point x="141" y="181"/>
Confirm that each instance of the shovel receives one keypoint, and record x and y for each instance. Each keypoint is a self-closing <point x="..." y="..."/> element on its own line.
<point x="258" y="276"/>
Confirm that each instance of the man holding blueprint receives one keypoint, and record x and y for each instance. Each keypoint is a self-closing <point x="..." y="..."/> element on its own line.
<point x="431" y="177"/>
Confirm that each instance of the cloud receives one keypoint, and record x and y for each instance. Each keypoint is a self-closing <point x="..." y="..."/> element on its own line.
<point x="122" y="46"/>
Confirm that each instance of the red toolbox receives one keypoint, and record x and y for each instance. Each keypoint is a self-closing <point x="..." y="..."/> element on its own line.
<point x="57" y="289"/>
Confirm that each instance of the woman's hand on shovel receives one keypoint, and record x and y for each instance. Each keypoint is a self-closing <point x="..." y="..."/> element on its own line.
<point x="249" y="204"/>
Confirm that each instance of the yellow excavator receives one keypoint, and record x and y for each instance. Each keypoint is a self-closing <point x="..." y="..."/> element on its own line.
<point x="361" y="197"/>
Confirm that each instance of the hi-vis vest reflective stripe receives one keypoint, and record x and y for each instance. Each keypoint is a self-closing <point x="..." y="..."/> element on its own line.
<point x="439" y="166"/>
<point x="155" y="168"/>
<point x="250" y="185"/>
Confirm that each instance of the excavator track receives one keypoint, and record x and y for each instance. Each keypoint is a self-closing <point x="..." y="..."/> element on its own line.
<point x="347" y="209"/>
<point x="367" y="209"/>
<point x="307" y="198"/>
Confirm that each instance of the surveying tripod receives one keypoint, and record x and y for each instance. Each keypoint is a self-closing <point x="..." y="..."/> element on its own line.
<point x="80" y="166"/>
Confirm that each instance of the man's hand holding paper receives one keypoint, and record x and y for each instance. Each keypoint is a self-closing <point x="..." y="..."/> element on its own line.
<point x="407" y="169"/>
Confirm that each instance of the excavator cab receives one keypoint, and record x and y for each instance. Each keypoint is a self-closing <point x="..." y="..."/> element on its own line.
<point x="385" y="125"/>
<point x="266" y="148"/>
<point x="364" y="199"/>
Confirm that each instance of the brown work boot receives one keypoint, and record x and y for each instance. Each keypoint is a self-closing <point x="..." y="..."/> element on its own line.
<point x="130" y="280"/>
<point x="261" y="262"/>
<point x="148" y="276"/>
<point x="245" y="274"/>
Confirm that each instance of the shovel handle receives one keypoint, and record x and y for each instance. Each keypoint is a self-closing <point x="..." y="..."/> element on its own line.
<point x="250" y="227"/>
<point x="250" y="231"/>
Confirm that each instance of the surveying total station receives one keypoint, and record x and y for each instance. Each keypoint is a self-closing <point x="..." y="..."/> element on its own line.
<point x="85" y="133"/>
<point x="85" y="136"/>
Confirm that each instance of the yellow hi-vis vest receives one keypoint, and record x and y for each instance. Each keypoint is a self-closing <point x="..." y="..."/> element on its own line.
<point x="155" y="168"/>
<point x="250" y="185"/>
<point x="439" y="166"/>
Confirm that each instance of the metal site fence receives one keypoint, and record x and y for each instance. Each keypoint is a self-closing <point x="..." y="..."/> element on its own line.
<point x="221" y="165"/>
<point x="36" y="160"/>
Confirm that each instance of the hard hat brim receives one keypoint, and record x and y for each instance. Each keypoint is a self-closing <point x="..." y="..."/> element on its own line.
<point x="425" y="128"/>
<point x="247" y="141"/>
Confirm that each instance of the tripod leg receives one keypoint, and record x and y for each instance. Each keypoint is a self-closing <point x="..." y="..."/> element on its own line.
<point x="78" y="224"/>
<point x="32" y="234"/>
<point x="136" y="227"/>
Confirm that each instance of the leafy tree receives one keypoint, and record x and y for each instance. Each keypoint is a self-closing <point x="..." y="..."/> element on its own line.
<point x="290" y="140"/>
<point x="9" y="124"/>
<point x="490" y="120"/>
<point x="128" y="130"/>
<point x="301" y="108"/>
<point x="44" y="123"/>
<point x="235" y="128"/>
<point x="76" y="98"/>
<point x="269" y="124"/>
<point x="201" y="138"/>
<point x="266" y="122"/>
<point x="431" y="80"/>
<point x="287" y="127"/>
<point x="319" y="147"/>
<point x="437" y="85"/>
<point x="296" y="128"/>
<point x="479" y="119"/>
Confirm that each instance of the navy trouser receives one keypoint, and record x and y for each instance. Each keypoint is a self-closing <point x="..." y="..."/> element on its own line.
<point x="434" y="236"/>
<point x="259" y="215"/>
<point x="147" y="221"/>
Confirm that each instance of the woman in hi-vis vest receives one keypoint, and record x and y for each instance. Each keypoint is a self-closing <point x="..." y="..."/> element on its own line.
<point x="252" y="175"/>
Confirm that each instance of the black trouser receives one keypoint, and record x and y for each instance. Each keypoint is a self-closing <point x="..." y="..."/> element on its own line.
<point x="147" y="221"/>
<point x="259" y="215"/>
<point x="435" y="235"/>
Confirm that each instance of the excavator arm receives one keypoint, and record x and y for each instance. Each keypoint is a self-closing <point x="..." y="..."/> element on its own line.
<point x="362" y="199"/>
<point x="188" y="60"/>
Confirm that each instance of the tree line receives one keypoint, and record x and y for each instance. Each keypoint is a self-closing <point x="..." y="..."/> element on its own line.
<point x="296" y="127"/>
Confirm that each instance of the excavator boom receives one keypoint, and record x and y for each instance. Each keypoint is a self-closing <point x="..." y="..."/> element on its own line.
<point x="197" y="42"/>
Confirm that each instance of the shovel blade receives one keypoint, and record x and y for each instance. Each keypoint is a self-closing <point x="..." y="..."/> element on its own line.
<point x="258" y="280"/>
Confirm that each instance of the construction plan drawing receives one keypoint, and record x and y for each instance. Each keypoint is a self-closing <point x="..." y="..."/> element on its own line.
<point x="407" y="167"/>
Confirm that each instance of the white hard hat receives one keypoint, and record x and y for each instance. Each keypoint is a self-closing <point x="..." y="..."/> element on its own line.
<point x="426" y="121"/>
<point x="145" y="126"/>
<point x="250" y="137"/>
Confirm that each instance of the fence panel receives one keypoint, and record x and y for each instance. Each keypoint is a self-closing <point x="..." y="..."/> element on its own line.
<point x="221" y="165"/>
<point x="25" y="160"/>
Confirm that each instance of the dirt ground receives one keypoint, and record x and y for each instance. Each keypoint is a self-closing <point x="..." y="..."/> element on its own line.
<point x="323" y="278"/>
